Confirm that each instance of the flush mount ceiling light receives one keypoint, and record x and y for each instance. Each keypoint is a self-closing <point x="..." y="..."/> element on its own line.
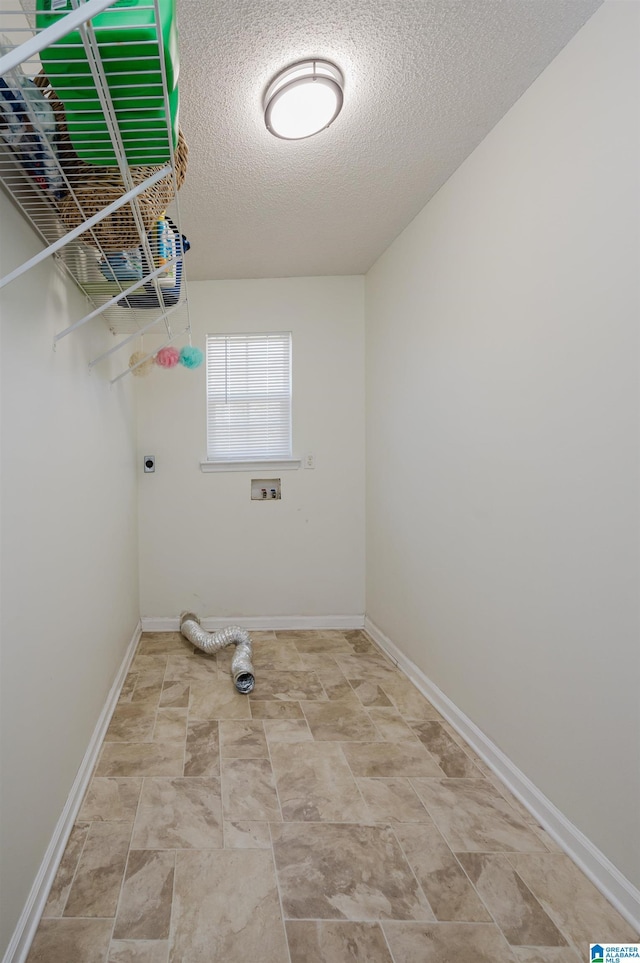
<point x="303" y="99"/>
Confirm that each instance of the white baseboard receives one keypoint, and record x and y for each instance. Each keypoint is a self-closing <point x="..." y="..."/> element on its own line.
<point x="620" y="892"/>
<point x="24" y="932"/>
<point x="266" y="623"/>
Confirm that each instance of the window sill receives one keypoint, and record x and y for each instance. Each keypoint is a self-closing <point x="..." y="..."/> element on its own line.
<point x="284" y="464"/>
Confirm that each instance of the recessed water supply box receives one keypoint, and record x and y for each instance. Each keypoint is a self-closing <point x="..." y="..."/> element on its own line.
<point x="265" y="489"/>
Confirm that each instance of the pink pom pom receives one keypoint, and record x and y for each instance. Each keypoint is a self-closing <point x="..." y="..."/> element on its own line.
<point x="167" y="357"/>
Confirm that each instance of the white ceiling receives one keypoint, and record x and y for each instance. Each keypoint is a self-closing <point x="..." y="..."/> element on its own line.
<point x="426" y="80"/>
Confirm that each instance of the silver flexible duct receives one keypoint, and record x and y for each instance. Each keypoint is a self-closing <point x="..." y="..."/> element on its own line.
<point x="241" y="667"/>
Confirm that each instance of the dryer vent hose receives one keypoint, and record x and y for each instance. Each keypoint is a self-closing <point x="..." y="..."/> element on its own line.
<point x="241" y="667"/>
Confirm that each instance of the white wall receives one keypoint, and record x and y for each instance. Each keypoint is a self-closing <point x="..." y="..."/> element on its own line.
<point x="502" y="435"/>
<point x="204" y="545"/>
<point x="69" y="553"/>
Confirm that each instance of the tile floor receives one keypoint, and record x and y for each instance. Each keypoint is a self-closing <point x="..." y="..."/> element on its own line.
<point x="330" y="817"/>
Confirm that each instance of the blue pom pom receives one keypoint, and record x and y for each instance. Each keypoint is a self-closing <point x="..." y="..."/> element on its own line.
<point x="191" y="357"/>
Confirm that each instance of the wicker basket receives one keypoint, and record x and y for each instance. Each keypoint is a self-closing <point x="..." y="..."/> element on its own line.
<point x="94" y="188"/>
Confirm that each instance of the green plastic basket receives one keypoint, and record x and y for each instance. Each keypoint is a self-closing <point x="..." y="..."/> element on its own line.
<point x="132" y="50"/>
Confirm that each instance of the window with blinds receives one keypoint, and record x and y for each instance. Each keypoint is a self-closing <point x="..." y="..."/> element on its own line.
<point x="248" y="396"/>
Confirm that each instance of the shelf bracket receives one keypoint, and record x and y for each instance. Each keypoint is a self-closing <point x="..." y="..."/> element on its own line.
<point x="77" y="231"/>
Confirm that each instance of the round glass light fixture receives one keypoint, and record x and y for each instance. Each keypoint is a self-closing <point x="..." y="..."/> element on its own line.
<point x="303" y="99"/>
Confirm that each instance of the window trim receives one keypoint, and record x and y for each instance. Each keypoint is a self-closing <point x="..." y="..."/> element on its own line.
<point x="284" y="464"/>
<point x="273" y="462"/>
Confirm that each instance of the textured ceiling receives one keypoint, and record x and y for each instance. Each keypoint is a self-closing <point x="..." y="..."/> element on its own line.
<point x="425" y="81"/>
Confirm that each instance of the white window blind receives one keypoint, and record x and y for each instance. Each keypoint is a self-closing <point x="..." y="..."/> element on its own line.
<point x="248" y="396"/>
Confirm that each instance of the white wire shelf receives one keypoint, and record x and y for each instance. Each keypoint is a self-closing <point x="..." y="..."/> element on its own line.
<point x="92" y="156"/>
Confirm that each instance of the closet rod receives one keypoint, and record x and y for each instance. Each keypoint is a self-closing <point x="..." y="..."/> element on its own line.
<point x="114" y="300"/>
<point x="133" y="336"/>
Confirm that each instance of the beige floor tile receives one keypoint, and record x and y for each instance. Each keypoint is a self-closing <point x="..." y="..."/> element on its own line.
<point x="546" y="954"/>
<point x="128" y="686"/>
<point x="153" y="664"/>
<point x="386" y="759"/>
<point x="365" y="647"/>
<point x="226" y="907"/>
<point x="571" y="900"/>
<point x="248" y="790"/>
<point x="161" y="643"/>
<point x="549" y="843"/>
<point x="371" y="694"/>
<point x="66" y="870"/>
<point x="369" y="655"/>
<point x="202" y="752"/>
<point x="148" y="671"/>
<point x="218" y="699"/>
<point x="147" y="691"/>
<point x="324" y="644"/>
<point x="411" y="704"/>
<point x="392" y="800"/>
<point x="111" y="799"/>
<point x="287" y="686"/>
<point x="337" y="688"/>
<point x="179" y="813"/>
<point x="331" y="871"/>
<point x="453" y="760"/>
<point x="188" y="667"/>
<point x="243" y="739"/>
<point x="149" y="674"/>
<point x="174" y="695"/>
<point x="264" y="663"/>
<point x="391" y="725"/>
<point x="131" y="951"/>
<point x="272" y="654"/>
<point x="339" y="721"/>
<point x="336" y="941"/>
<point x="275" y="710"/>
<point x="246" y="834"/>
<point x="287" y="730"/>
<point x="444" y="882"/>
<point x="319" y="661"/>
<point x="457" y="738"/>
<point x="326" y="669"/>
<point x="374" y="669"/>
<point x="270" y="645"/>
<point x="473" y="817"/>
<point x="309" y="635"/>
<point x="512" y="904"/>
<point x="447" y="943"/>
<point x="131" y="723"/>
<point x="144" y="910"/>
<point x="315" y="783"/>
<point x="142" y="759"/>
<point x="171" y="727"/>
<point x="96" y="885"/>
<point x="360" y="641"/>
<point x="71" y="941"/>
